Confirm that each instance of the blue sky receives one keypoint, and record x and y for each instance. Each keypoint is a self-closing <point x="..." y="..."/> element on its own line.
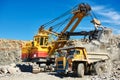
<point x="20" y="19"/>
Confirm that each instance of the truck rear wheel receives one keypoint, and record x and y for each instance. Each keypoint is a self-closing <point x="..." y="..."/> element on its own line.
<point x="100" y="68"/>
<point x="109" y="66"/>
<point x="80" y="70"/>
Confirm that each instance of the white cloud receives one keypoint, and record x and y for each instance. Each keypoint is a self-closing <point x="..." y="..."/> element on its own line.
<point x="97" y="8"/>
<point x="109" y="15"/>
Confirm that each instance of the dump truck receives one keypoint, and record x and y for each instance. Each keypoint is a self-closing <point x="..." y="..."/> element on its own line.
<point x="42" y="49"/>
<point x="78" y="61"/>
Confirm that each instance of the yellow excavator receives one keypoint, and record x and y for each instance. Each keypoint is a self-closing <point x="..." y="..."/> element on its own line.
<point x="41" y="50"/>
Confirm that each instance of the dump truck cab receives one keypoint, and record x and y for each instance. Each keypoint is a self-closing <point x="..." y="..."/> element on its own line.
<point x="72" y="54"/>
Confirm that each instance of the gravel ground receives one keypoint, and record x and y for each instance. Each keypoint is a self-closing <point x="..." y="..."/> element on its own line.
<point x="53" y="76"/>
<point x="40" y="76"/>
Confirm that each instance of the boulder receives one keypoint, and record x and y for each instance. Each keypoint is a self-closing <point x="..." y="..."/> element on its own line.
<point x="3" y="70"/>
<point x="12" y="70"/>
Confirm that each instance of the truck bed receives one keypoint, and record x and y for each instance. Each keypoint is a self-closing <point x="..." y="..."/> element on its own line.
<point x="94" y="57"/>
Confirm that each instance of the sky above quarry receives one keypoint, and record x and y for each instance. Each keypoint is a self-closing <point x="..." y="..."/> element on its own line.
<point x="20" y="19"/>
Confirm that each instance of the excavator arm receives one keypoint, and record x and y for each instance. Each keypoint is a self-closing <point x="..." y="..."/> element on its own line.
<point x="82" y="11"/>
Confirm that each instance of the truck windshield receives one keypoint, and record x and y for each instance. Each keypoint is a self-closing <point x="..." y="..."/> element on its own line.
<point x="77" y="52"/>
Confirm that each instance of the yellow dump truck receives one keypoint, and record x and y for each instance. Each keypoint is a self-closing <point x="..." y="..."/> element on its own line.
<point x="78" y="60"/>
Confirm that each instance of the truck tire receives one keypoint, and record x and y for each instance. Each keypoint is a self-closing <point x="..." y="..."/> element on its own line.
<point x="109" y="66"/>
<point x="103" y="67"/>
<point x="80" y="70"/>
<point x="100" y="68"/>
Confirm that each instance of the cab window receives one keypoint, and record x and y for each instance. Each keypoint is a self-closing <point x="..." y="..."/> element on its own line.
<point x="77" y="52"/>
<point x="46" y="40"/>
<point x="41" y="41"/>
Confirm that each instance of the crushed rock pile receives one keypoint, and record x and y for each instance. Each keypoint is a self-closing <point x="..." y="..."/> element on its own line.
<point x="114" y="76"/>
<point x="10" y="51"/>
<point x="9" y="69"/>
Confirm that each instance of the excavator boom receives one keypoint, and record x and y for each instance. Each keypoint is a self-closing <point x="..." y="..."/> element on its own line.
<point x="82" y="11"/>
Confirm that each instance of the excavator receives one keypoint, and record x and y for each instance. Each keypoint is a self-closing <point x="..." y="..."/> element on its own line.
<point x="41" y="50"/>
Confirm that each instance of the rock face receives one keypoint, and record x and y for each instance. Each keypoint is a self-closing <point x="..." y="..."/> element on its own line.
<point x="10" y="51"/>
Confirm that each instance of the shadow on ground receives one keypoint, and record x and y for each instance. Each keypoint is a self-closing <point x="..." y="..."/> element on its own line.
<point x="62" y="75"/>
<point x="25" y="68"/>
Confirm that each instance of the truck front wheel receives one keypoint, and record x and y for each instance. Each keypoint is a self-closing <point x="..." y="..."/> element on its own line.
<point x="80" y="70"/>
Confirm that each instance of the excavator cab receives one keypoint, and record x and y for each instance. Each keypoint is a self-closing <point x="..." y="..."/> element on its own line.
<point x="40" y="45"/>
